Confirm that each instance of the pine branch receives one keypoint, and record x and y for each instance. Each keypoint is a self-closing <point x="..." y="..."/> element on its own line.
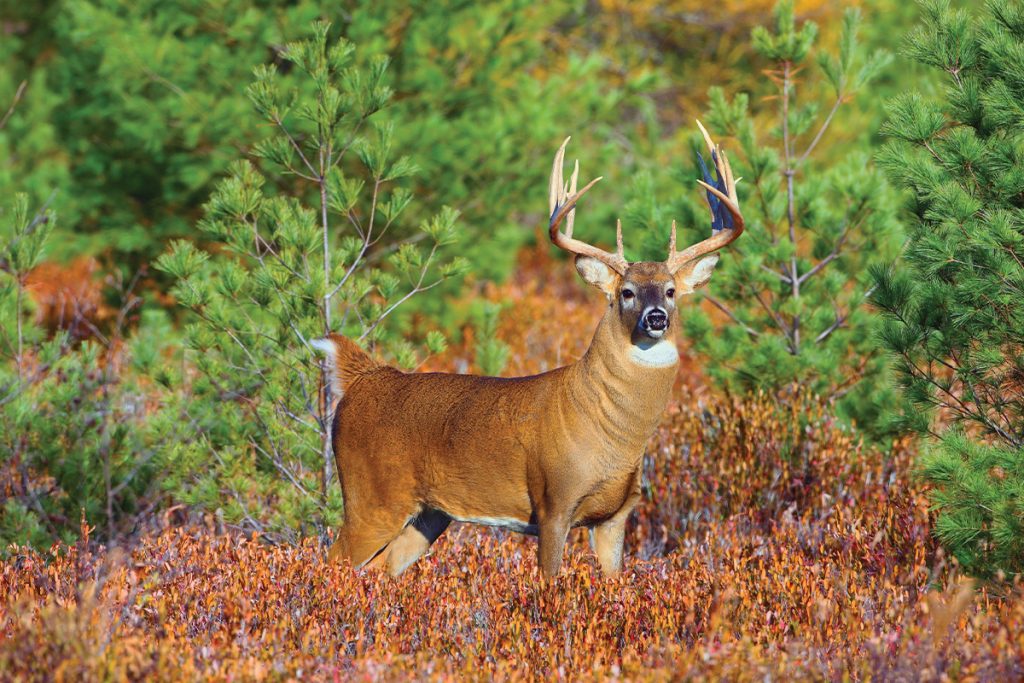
<point x="732" y="316"/>
<point x="824" y="127"/>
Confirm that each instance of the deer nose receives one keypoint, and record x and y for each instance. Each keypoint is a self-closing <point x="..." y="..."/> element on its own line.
<point x="656" y="319"/>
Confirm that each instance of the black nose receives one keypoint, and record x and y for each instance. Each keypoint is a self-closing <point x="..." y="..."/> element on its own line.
<point x="656" y="320"/>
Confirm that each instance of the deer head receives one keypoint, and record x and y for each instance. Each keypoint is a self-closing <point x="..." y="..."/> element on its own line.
<point x="644" y="294"/>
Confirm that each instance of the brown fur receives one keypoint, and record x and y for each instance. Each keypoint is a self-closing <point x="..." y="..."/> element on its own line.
<point x="539" y="454"/>
<point x="347" y="361"/>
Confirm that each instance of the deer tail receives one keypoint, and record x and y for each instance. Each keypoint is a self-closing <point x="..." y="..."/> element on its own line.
<point x="345" y="361"/>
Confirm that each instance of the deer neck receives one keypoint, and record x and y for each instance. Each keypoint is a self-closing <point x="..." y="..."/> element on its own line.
<point x="628" y="384"/>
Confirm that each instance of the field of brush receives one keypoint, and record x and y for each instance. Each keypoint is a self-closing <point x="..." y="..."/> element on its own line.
<point x="770" y="544"/>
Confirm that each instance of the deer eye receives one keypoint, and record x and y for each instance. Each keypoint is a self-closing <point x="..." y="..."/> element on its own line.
<point x="628" y="294"/>
<point x="671" y="292"/>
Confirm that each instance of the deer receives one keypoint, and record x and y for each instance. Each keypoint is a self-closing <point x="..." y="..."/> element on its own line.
<point x="538" y="455"/>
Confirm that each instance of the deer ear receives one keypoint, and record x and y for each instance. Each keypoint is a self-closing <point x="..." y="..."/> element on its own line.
<point x="698" y="274"/>
<point x="596" y="273"/>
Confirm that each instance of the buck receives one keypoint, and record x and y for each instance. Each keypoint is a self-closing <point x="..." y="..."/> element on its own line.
<point x="540" y="454"/>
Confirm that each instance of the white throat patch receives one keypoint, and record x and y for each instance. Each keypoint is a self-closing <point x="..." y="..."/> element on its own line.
<point x="659" y="355"/>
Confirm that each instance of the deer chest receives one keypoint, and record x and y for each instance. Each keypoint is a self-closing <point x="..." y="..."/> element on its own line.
<point x="605" y="496"/>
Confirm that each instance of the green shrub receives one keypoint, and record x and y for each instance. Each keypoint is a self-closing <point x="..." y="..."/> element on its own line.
<point x="78" y="432"/>
<point x="490" y="353"/>
<point x="789" y="294"/>
<point x="134" y="110"/>
<point x="313" y="243"/>
<point x="954" y="321"/>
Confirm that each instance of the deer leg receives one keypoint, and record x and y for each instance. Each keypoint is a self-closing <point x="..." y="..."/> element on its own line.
<point x="607" y="538"/>
<point x="414" y="540"/>
<point x="365" y="535"/>
<point x="552" y="531"/>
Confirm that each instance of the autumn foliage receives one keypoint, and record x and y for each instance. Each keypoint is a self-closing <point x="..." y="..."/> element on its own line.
<point x="769" y="543"/>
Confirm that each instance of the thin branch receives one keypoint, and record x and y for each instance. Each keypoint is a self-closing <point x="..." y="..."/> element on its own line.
<point x="37" y="220"/>
<point x="778" y="321"/>
<point x="794" y="276"/>
<point x="782" y="276"/>
<point x="840" y="319"/>
<point x="14" y="104"/>
<point x="295" y="145"/>
<point x="417" y="288"/>
<point x="961" y="406"/>
<point x="352" y="268"/>
<point x="17" y="316"/>
<point x="833" y="255"/>
<point x="854" y="220"/>
<point x="409" y="295"/>
<point x="732" y="316"/>
<point x="824" y="126"/>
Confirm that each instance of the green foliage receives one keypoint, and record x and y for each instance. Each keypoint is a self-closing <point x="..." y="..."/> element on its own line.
<point x="152" y="109"/>
<point x="491" y="353"/>
<point x="953" y="319"/>
<point x="978" y="492"/>
<point x="125" y="117"/>
<point x="787" y="44"/>
<point x="788" y="295"/>
<point x="308" y="248"/>
<point x="76" y="437"/>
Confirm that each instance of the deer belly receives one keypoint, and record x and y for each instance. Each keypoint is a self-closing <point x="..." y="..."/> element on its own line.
<point x="501" y="504"/>
<point x="509" y="523"/>
<point x="481" y="482"/>
<point x="497" y="515"/>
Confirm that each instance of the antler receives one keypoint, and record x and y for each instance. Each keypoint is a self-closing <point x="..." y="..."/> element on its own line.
<point x="562" y="204"/>
<point x="725" y="227"/>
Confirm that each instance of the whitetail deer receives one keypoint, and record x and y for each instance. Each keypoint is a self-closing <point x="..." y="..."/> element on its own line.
<point x="540" y="454"/>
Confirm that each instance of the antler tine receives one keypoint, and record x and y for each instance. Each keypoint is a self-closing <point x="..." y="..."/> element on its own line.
<point x="719" y="237"/>
<point x="570" y="220"/>
<point x="707" y="138"/>
<point x="555" y="188"/>
<point x="562" y="200"/>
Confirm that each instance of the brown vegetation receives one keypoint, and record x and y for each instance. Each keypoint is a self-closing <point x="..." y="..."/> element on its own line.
<point x="68" y="296"/>
<point x="768" y="543"/>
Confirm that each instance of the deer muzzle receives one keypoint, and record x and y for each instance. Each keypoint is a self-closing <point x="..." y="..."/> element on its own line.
<point x="654" y="321"/>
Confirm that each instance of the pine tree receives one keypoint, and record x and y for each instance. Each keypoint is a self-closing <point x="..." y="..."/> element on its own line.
<point x="76" y="438"/>
<point x="954" y="305"/>
<point x="787" y="300"/>
<point x="309" y="248"/>
<point x="133" y="111"/>
<point x="76" y="435"/>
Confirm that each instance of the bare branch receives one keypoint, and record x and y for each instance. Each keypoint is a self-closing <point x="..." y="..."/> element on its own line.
<point x="840" y="319"/>
<point x="824" y="127"/>
<point x="417" y="288"/>
<point x="777" y="320"/>
<point x="732" y="316"/>
<point x="833" y="255"/>
<point x="280" y="124"/>
<point x="789" y="173"/>
<point x="14" y="104"/>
